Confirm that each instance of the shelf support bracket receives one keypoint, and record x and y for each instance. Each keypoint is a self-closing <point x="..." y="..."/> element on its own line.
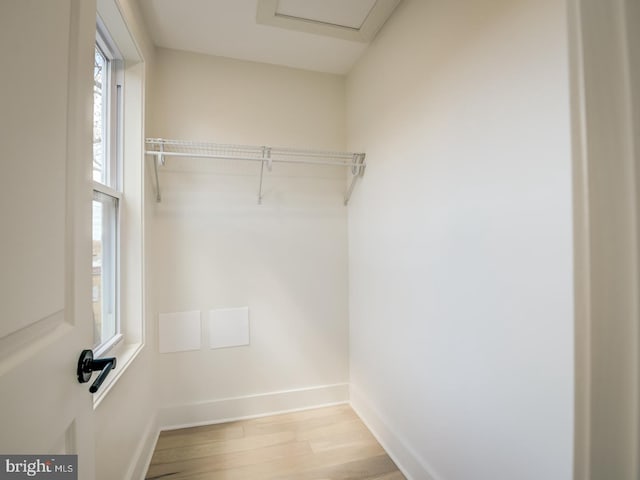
<point x="266" y="158"/>
<point x="158" y="159"/>
<point x="357" y="170"/>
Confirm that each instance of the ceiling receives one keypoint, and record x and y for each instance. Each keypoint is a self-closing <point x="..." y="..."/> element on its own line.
<point x="322" y="35"/>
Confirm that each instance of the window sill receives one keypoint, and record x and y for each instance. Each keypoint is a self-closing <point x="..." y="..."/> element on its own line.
<point x="106" y="348"/>
<point x="125" y="353"/>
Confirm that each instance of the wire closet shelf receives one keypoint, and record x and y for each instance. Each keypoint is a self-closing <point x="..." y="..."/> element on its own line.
<point x="161" y="148"/>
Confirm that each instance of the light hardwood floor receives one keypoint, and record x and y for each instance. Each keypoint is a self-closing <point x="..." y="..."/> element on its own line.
<point x="321" y="444"/>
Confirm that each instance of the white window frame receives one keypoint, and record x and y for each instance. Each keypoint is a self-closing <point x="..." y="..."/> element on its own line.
<point x="113" y="158"/>
<point x="114" y="115"/>
<point x="131" y="186"/>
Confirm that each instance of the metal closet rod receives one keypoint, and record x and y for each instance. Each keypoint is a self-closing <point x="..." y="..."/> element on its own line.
<point x="162" y="148"/>
<point x="254" y="159"/>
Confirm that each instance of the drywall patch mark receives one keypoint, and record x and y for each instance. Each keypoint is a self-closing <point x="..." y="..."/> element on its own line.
<point x="229" y="327"/>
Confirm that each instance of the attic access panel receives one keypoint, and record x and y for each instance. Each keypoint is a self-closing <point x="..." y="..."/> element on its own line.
<point x="355" y="20"/>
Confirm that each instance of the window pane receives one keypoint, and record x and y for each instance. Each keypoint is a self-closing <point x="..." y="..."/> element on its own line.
<point x="100" y="109"/>
<point x="105" y="225"/>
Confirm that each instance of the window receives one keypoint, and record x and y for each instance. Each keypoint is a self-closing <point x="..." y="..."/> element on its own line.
<point x="119" y="186"/>
<point x="107" y="193"/>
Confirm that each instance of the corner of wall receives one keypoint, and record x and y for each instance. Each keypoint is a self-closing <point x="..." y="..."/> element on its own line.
<point x="405" y="458"/>
<point x="142" y="457"/>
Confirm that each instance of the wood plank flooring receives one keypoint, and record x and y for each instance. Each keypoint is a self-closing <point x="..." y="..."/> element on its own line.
<point x="321" y="444"/>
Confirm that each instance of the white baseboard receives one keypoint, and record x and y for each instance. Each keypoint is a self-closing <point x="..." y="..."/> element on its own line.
<point x="248" y="406"/>
<point x="142" y="457"/>
<point x="407" y="460"/>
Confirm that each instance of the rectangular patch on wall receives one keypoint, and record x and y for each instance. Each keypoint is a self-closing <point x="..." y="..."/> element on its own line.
<point x="179" y="332"/>
<point x="229" y="327"/>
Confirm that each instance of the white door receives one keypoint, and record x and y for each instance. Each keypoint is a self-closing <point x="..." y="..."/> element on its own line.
<point x="46" y="53"/>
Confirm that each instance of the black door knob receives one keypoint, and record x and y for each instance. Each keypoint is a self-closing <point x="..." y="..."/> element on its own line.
<point x="87" y="365"/>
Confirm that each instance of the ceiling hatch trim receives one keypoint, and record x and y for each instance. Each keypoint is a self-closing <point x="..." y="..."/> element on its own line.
<point x="381" y="10"/>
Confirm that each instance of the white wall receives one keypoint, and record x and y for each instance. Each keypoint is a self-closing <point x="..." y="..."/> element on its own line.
<point x="460" y="240"/>
<point x="215" y="247"/>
